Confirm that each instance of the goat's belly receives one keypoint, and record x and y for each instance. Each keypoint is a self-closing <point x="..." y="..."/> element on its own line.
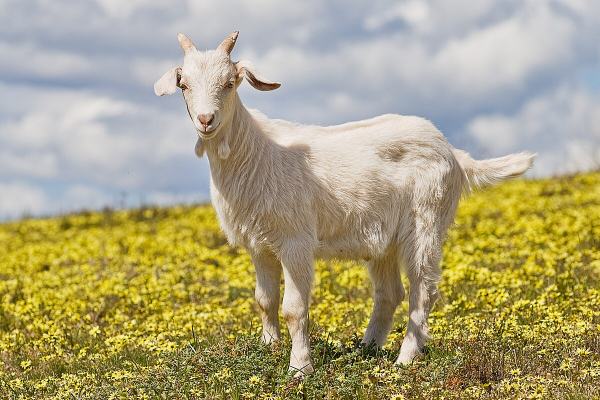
<point x="343" y="249"/>
<point x="353" y="240"/>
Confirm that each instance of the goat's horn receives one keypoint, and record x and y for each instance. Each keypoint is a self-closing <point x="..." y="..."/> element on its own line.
<point x="185" y="42"/>
<point x="227" y="44"/>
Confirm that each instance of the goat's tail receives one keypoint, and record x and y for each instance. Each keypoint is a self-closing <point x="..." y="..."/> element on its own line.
<point x="482" y="173"/>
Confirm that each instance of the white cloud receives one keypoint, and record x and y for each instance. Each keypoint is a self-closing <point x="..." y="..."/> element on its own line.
<point x="32" y="164"/>
<point x="163" y="198"/>
<point x="78" y="116"/>
<point x="490" y="64"/>
<point x="413" y="12"/>
<point x="437" y="19"/>
<point x="82" y="135"/>
<point x="504" y="55"/>
<point x="563" y="127"/>
<point x="124" y="9"/>
<point x="74" y="130"/>
<point x="18" y="198"/>
<point x="28" y="59"/>
<point x="80" y="196"/>
<point x="147" y="71"/>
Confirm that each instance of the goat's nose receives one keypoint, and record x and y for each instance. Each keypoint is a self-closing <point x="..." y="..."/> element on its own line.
<point x="206" y="119"/>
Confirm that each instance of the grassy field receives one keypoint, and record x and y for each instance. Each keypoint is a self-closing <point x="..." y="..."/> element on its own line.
<point x="153" y="303"/>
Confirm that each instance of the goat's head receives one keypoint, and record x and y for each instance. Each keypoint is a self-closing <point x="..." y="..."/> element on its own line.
<point x="208" y="80"/>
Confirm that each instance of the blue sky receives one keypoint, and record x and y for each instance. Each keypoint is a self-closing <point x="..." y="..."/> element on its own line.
<point x="81" y="128"/>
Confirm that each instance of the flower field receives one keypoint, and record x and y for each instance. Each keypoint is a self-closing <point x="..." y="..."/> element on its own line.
<point x="153" y="303"/>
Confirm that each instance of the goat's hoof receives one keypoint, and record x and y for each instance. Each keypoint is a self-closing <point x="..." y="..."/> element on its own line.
<point x="270" y="339"/>
<point x="369" y="344"/>
<point x="407" y="358"/>
<point x="301" y="373"/>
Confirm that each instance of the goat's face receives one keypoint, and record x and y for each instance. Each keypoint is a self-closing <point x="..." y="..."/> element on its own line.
<point x="208" y="81"/>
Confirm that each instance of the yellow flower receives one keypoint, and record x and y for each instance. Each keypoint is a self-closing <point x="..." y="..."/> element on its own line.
<point x="25" y="364"/>
<point x="254" y="380"/>
<point x="124" y="292"/>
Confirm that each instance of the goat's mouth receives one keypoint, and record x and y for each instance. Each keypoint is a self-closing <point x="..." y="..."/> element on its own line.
<point x="208" y="132"/>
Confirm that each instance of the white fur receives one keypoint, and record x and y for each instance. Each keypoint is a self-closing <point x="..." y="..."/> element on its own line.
<point x="383" y="190"/>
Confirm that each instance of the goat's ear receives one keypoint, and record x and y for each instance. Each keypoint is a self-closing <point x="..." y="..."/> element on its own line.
<point x="168" y="83"/>
<point x="246" y="70"/>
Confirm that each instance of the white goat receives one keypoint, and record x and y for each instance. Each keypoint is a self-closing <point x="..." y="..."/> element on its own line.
<point x="383" y="190"/>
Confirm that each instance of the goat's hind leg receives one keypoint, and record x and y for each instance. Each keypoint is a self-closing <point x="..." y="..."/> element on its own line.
<point x="422" y="257"/>
<point x="388" y="292"/>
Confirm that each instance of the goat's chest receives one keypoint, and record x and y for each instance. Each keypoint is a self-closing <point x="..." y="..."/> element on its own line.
<point x="243" y="224"/>
<point x="263" y="220"/>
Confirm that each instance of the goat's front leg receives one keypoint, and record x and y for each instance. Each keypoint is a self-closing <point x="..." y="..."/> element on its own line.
<point x="268" y="276"/>
<point x="298" y="274"/>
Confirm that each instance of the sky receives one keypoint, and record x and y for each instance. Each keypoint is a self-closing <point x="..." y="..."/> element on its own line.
<point x="80" y="127"/>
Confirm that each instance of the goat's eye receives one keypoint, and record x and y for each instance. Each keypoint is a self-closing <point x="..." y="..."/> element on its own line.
<point x="183" y="86"/>
<point x="230" y="84"/>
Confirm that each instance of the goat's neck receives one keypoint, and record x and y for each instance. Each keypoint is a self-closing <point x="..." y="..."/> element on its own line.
<point x="249" y="148"/>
